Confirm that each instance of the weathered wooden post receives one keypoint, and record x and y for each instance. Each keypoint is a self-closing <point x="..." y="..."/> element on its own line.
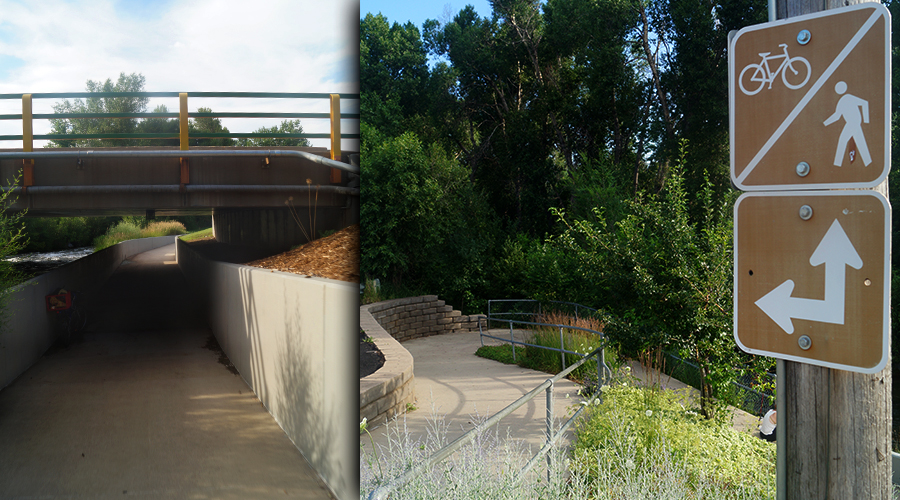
<point x="835" y="424"/>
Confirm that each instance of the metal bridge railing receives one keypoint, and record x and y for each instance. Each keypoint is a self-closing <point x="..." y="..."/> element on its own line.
<point x="384" y="491"/>
<point x="183" y="135"/>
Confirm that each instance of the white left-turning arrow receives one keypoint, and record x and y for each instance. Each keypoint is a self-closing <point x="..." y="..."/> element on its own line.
<point x="835" y="251"/>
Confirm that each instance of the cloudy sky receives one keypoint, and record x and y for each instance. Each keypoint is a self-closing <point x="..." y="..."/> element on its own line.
<point x="183" y="46"/>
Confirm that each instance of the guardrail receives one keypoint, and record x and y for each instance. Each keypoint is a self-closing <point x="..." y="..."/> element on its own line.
<point x="184" y="135"/>
<point x="491" y="314"/>
<point x="382" y="492"/>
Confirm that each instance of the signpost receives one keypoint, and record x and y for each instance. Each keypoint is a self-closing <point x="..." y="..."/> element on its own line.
<point x="809" y="101"/>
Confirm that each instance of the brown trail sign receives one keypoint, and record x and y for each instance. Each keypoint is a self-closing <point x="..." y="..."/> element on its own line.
<point x="809" y="101"/>
<point x="812" y="277"/>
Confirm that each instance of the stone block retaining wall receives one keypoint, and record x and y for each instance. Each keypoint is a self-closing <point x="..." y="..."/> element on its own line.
<point x="422" y="316"/>
<point x="385" y="394"/>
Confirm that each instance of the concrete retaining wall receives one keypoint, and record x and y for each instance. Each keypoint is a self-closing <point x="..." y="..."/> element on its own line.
<point x="422" y="316"/>
<point x="385" y="393"/>
<point x="29" y="329"/>
<point x="293" y="340"/>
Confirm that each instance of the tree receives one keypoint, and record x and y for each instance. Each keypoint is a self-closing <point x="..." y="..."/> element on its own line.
<point x="126" y="83"/>
<point x="665" y="280"/>
<point x="210" y="125"/>
<point x="286" y="127"/>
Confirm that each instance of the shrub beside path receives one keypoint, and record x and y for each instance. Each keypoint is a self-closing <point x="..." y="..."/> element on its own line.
<point x="460" y="387"/>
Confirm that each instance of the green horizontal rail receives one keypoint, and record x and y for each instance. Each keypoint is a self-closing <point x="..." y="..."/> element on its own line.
<point x="175" y="135"/>
<point x="63" y="116"/>
<point x="182" y="117"/>
<point x="256" y="95"/>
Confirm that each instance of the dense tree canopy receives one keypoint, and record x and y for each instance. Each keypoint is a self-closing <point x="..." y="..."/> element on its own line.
<point x="592" y="136"/>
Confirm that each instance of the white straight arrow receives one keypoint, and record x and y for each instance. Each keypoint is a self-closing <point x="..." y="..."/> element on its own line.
<point x="835" y="251"/>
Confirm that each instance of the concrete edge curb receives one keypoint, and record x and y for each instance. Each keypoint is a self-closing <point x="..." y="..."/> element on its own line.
<point x="385" y="393"/>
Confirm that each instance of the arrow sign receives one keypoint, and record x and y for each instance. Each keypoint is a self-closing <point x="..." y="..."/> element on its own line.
<point x="835" y="251"/>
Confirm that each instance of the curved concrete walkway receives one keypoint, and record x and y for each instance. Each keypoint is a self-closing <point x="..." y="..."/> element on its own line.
<point x="455" y="384"/>
<point x="143" y="405"/>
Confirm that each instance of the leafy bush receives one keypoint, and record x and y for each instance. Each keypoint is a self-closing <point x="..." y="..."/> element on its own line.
<point x="46" y="234"/>
<point x="423" y="224"/>
<point x="129" y="229"/>
<point x="163" y="228"/>
<point x="643" y="427"/>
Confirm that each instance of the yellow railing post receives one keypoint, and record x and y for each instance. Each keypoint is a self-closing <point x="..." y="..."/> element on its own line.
<point x="183" y="120"/>
<point x="184" y="163"/>
<point x="27" y="142"/>
<point x="335" y="135"/>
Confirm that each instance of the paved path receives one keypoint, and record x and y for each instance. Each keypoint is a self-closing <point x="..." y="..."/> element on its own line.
<point x="450" y="378"/>
<point x="143" y="406"/>
<point x="458" y="384"/>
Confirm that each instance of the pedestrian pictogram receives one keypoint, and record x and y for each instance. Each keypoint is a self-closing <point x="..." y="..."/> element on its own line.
<point x="854" y="111"/>
<point x="812" y="277"/>
<point x="811" y="90"/>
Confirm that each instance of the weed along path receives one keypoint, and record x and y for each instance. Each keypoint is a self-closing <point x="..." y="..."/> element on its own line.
<point x="143" y="404"/>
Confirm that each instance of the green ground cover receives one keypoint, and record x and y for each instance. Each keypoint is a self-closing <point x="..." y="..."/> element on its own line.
<point x="129" y="230"/>
<point x="198" y="235"/>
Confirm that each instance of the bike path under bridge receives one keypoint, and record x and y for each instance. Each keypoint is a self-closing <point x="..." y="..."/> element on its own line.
<point x="143" y="404"/>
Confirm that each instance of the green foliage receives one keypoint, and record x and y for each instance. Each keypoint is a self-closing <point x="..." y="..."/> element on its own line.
<point x="502" y="353"/>
<point x="126" y="83"/>
<point x="12" y="241"/>
<point x="130" y="229"/>
<point x="205" y="124"/>
<point x="198" y="235"/>
<point x="421" y="220"/>
<point x="665" y="279"/>
<point x="286" y="127"/>
<point x="46" y="234"/>
<point x="644" y="427"/>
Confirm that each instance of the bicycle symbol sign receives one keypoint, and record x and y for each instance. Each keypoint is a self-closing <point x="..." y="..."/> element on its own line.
<point x="809" y="101"/>
<point x="794" y="71"/>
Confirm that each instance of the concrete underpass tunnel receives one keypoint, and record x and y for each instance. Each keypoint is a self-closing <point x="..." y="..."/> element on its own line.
<point x="146" y="292"/>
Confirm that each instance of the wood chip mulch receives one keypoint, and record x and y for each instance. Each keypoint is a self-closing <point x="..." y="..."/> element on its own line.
<point x="335" y="256"/>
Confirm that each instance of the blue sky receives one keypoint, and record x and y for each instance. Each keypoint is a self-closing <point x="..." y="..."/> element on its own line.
<point x="182" y="46"/>
<point x="419" y="11"/>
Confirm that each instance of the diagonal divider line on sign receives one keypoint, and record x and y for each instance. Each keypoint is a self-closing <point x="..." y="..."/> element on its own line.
<point x="863" y="30"/>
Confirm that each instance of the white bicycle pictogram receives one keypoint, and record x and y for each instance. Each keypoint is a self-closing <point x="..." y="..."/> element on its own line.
<point x="762" y="75"/>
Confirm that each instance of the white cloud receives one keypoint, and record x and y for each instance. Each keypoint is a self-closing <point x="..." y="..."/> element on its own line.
<point x="204" y="45"/>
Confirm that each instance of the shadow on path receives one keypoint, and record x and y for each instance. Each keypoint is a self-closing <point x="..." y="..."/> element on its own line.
<point x="140" y="405"/>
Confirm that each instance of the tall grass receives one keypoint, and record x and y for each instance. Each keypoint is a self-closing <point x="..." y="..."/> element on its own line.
<point x="621" y="458"/>
<point x="573" y="340"/>
<point x="129" y="230"/>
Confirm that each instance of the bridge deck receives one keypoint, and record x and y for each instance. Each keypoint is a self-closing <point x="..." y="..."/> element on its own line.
<point x="143" y="405"/>
<point x="101" y="181"/>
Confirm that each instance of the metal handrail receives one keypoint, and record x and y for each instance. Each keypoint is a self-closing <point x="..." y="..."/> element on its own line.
<point x="175" y="153"/>
<point x="184" y="135"/>
<point x="540" y="304"/>
<point x="383" y="491"/>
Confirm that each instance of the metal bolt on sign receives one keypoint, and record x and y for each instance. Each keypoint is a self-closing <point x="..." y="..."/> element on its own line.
<point x="803" y="37"/>
<point x="806" y="212"/>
